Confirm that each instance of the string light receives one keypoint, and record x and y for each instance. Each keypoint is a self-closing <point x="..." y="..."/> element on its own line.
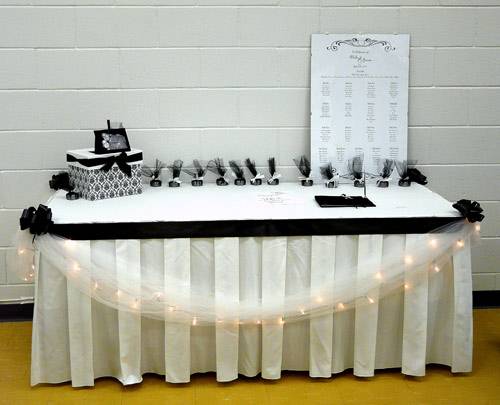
<point x="96" y="285"/>
<point x="258" y="322"/>
<point x="378" y="275"/>
<point x="407" y="286"/>
<point x="21" y="252"/>
<point x="408" y="260"/>
<point x="118" y="293"/>
<point x="319" y="299"/>
<point x="135" y="303"/>
<point x="460" y="243"/>
<point x="194" y="322"/>
<point x="281" y="321"/>
<point x="433" y="242"/>
<point x="340" y="306"/>
<point x="477" y="227"/>
<point x="32" y="267"/>
<point x="437" y="269"/>
<point x="302" y="312"/>
<point x="76" y="267"/>
<point x="370" y="300"/>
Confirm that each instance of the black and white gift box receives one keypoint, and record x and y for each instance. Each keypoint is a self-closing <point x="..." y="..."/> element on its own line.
<point x="96" y="177"/>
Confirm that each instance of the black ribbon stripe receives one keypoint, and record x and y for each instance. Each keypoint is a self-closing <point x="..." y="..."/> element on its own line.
<point x="244" y="228"/>
<point x="121" y="160"/>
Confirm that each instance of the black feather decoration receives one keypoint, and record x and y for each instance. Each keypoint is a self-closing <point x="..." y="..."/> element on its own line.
<point x="386" y="168"/>
<point x="176" y="168"/>
<point x="237" y="169"/>
<point x="153" y="173"/>
<point x="250" y="164"/>
<point x="355" y="167"/>
<point x="402" y="168"/>
<point x="304" y="166"/>
<point x="217" y="166"/>
<point x="271" y="162"/>
<point x="198" y="172"/>
<point x="328" y="171"/>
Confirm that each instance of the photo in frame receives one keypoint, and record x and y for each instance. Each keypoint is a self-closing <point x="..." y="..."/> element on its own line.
<point x="111" y="140"/>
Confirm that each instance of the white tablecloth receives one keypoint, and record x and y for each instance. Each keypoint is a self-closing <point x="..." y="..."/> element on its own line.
<point x="76" y="338"/>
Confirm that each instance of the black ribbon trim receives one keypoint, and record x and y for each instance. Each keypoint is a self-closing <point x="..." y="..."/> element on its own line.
<point x="38" y="221"/>
<point x="469" y="209"/>
<point x="121" y="160"/>
<point x="246" y="228"/>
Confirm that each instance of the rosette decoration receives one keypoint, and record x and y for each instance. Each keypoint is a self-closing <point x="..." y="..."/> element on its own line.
<point x="304" y="166"/>
<point x="153" y="173"/>
<point x="197" y="174"/>
<point x="256" y="180"/>
<point x="469" y="209"/>
<point x="218" y="167"/>
<point x="176" y="169"/>
<point x="355" y="170"/>
<point x="62" y="181"/>
<point x="274" y="180"/>
<point x="238" y="173"/>
<point x="330" y="175"/>
<point x="38" y="220"/>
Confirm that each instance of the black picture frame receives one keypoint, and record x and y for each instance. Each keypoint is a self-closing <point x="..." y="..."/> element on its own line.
<point x="111" y="140"/>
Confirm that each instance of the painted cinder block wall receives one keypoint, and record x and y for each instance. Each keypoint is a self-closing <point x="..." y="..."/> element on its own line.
<point x="231" y="77"/>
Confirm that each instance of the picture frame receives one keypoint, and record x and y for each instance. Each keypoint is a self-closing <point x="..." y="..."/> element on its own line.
<point x="111" y="140"/>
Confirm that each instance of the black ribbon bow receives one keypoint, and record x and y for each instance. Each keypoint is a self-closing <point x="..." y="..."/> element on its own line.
<point x="416" y="176"/>
<point x="470" y="210"/>
<point x="121" y="161"/>
<point x="38" y="221"/>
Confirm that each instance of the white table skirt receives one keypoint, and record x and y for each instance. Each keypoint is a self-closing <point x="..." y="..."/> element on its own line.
<point x="76" y="338"/>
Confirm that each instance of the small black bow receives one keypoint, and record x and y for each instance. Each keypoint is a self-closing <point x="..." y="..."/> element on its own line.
<point x="60" y="181"/>
<point x="121" y="161"/>
<point x="416" y="176"/>
<point x="470" y="210"/>
<point x="37" y="220"/>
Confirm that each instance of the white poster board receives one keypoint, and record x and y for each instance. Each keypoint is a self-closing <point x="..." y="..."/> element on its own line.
<point x="359" y="99"/>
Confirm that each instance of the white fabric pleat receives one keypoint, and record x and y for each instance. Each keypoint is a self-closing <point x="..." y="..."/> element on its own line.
<point x="80" y="323"/>
<point x="177" y="254"/>
<point x="297" y="278"/>
<point x="366" y="318"/>
<point x="250" y="276"/>
<point x="415" y="316"/>
<point x="346" y="255"/>
<point x="226" y="291"/>
<point x="321" y="327"/>
<point x="462" y="317"/>
<point x="129" y="322"/>
<point x="274" y="255"/>
<point x="390" y="312"/>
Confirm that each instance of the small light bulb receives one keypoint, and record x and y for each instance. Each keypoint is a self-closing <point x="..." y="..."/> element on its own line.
<point x="378" y="275"/>
<point x="370" y="300"/>
<point x="281" y="321"/>
<point x="258" y="322"/>
<point x="319" y="299"/>
<point x="96" y="285"/>
<point x="460" y="243"/>
<point x="21" y="251"/>
<point x="219" y="321"/>
<point x="195" y="322"/>
<point x="118" y="293"/>
<point x="437" y="269"/>
<point x="407" y="286"/>
<point x="433" y="243"/>
<point x="408" y="259"/>
<point x="477" y="227"/>
<point x="302" y="312"/>
<point x="340" y="306"/>
<point x="32" y="267"/>
<point x="135" y="303"/>
<point x="25" y="278"/>
<point x="76" y="267"/>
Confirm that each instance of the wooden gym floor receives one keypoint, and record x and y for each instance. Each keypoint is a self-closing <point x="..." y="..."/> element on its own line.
<point x="439" y="386"/>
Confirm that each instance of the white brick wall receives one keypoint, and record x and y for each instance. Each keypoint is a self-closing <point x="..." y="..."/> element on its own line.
<point x="198" y="78"/>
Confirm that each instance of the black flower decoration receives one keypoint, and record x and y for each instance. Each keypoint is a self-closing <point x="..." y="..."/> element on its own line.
<point x="470" y="210"/>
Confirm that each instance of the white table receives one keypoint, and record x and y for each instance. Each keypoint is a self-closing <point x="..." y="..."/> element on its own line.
<point x="79" y="339"/>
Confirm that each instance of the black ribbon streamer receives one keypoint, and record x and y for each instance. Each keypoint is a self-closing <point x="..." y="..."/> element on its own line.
<point x="121" y="160"/>
<point x="469" y="209"/>
<point x="38" y="221"/>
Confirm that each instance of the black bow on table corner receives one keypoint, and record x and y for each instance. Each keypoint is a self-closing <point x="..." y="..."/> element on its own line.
<point x="121" y="161"/>
<point x="60" y="181"/>
<point x="38" y="221"/>
<point x="469" y="209"/>
<point x="416" y="176"/>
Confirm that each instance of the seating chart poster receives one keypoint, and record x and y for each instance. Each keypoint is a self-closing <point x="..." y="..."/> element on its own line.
<point x="359" y="99"/>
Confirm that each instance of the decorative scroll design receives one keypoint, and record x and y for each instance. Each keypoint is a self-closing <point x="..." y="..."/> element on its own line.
<point x="360" y="43"/>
